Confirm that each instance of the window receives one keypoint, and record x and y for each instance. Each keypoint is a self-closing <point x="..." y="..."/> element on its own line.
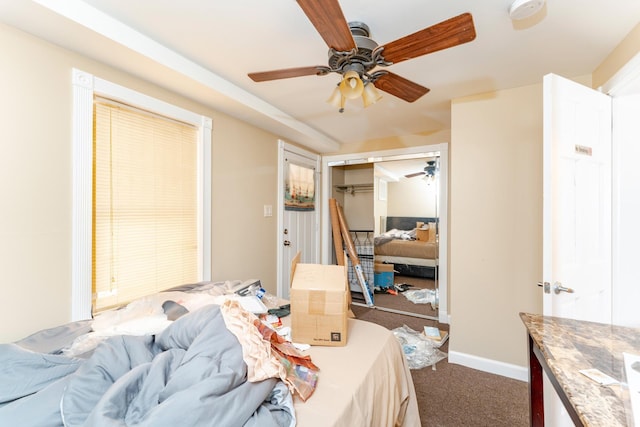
<point x="144" y="204"/>
<point x="148" y="226"/>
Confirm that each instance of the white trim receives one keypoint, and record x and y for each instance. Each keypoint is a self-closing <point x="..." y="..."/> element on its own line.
<point x="396" y="154"/>
<point x="82" y="195"/>
<point x="491" y="366"/>
<point x="85" y="86"/>
<point x="623" y="78"/>
<point x="98" y="21"/>
<point x="204" y="197"/>
<point x="280" y="220"/>
<point x="443" y="236"/>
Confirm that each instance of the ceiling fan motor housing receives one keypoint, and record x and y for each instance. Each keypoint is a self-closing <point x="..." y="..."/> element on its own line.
<point x="360" y="61"/>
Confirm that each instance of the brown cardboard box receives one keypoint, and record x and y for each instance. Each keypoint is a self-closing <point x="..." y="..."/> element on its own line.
<point x="380" y="267"/>
<point x="318" y="303"/>
<point x="383" y="275"/>
<point x="422" y="234"/>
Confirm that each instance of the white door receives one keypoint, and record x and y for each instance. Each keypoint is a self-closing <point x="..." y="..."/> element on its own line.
<point x="299" y="209"/>
<point x="576" y="209"/>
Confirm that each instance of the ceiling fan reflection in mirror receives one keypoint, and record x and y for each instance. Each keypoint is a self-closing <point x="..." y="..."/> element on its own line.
<point x="429" y="172"/>
<point x="355" y="56"/>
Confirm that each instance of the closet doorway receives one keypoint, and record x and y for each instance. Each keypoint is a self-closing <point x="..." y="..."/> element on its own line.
<point x="375" y="195"/>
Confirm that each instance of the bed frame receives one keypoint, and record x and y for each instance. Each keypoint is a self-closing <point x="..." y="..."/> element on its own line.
<point x="409" y="223"/>
<point x="406" y="222"/>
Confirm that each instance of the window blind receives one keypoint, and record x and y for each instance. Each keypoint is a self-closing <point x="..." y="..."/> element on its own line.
<point x="145" y="204"/>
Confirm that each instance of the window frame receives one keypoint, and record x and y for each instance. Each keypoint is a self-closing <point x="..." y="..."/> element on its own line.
<point x="85" y="86"/>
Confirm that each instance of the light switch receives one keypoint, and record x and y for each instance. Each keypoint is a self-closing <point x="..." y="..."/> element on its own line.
<point x="268" y="210"/>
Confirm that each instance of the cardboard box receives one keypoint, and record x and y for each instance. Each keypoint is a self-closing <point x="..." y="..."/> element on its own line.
<point x="319" y="303"/>
<point x="383" y="275"/>
<point x="422" y="234"/>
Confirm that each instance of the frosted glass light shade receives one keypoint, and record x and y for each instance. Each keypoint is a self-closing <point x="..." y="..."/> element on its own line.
<point x="351" y="85"/>
<point x="336" y="99"/>
<point x="370" y="95"/>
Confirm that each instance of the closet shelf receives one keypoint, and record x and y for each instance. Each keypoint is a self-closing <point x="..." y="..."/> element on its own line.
<point x="354" y="188"/>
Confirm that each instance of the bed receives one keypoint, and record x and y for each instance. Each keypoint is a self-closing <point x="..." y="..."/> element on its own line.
<point x="190" y="356"/>
<point x="412" y="250"/>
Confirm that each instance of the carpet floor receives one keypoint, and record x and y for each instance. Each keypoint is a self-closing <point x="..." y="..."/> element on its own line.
<point x="451" y="395"/>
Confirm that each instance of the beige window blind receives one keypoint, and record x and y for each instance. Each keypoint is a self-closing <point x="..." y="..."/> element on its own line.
<point x="145" y="204"/>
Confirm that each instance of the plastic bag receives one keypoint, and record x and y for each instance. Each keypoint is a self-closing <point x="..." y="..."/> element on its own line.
<point x="419" y="350"/>
<point x="423" y="296"/>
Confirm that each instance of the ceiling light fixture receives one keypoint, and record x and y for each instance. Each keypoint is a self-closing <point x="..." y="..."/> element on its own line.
<point x="359" y="53"/>
<point x="521" y="9"/>
<point x="353" y="86"/>
<point x="370" y="94"/>
<point x="356" y="68"/>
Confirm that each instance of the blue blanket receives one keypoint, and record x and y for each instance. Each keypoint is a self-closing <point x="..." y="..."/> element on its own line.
<point x="191" y="374"/>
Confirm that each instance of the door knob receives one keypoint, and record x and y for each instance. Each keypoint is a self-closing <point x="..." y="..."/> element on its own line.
<point x="557" y="288"/>
<point x="287" y="243"/>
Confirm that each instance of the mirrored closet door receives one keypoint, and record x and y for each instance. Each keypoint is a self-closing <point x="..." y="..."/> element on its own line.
<point x="391" y="208"/>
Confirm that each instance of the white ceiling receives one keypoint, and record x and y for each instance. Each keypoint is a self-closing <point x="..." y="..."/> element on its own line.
<point x="205" y="48"/>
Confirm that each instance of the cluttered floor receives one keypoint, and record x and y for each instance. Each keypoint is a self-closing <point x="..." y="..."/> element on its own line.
<point x="449" y="394"/>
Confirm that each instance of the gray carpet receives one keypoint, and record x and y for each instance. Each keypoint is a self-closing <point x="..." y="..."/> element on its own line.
<point x="453" y="395"/>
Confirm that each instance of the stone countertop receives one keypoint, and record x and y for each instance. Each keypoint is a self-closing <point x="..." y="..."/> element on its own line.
<point x="572" y="345"/>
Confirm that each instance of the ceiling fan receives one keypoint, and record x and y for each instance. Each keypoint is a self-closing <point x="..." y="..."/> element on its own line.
<point x="429" y="171"/>
<point x="355" y="56"/>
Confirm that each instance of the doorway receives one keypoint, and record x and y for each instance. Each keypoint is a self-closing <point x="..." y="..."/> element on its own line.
<point x="298" y="211"/>
<point x="378" y="188"/>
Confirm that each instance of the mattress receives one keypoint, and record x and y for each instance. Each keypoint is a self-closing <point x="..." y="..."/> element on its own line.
<point x="365" y="383"/>
<point x="398" y="260"/>
<point x="408" y="249"/>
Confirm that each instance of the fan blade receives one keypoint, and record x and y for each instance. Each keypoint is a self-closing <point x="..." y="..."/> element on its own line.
<point x="400" y="87"/>
<point x="411" y="175"/>
<point x="327" y="17"/>
<point x="286" y="73"/>
<point x="446" y="34"/>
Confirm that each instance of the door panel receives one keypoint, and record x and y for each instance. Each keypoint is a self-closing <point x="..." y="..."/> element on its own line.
<point x="299" y="231"/>
<point x="576" y="209"/>
<point x="577" y="200"/>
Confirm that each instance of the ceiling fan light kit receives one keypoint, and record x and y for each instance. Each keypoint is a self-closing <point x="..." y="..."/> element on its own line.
<point x="337" y="99"/>
<point x="522" y="9"/>
<point x="356" y="57"/>
<point x="351" y="86"/>
<point x="370" y="95"/>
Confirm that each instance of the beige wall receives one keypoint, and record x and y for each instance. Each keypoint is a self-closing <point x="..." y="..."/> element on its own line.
<point x="495" y="221"/>
<point x="618" y="57"/>
<point x="358" y="207"/>
<point x="496" y="213"/>
<point x="411" y="197"/>
<point x="433" y="138"/>
<point x="35" y="167"/>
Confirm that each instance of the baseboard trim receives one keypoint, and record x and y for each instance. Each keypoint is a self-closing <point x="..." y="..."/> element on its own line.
<point x="443" y="316"/>
<point x="488" y="365"/>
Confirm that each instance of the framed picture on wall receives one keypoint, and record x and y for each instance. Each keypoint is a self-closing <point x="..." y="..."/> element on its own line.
<point x="299" y="192"/>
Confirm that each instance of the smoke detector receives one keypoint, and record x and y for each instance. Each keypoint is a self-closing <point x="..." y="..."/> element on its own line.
<point x="521" y="9"/>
